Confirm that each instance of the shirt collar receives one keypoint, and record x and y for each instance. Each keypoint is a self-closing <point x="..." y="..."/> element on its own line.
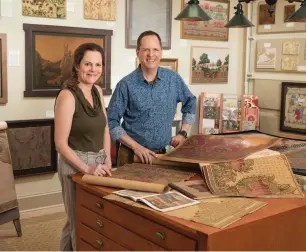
<point x="160" y="73"/>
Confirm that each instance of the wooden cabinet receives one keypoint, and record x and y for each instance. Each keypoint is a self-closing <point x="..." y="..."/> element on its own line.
<point x="119" y="229"/>
<point x="108" y="225"/>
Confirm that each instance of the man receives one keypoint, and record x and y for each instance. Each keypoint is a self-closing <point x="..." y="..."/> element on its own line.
<point x="146" y="99"/>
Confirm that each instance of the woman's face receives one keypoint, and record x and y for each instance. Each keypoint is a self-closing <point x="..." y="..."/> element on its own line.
<point x="90" y="68"/>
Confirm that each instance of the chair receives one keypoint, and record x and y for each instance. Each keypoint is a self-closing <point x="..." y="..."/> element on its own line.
<point x="9" y="210"/>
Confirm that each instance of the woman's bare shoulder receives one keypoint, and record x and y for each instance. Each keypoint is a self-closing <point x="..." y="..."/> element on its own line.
<point x="65" y="94"/>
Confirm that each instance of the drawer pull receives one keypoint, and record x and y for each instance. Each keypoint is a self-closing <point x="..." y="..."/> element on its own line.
<point x="99" y="242"/>
<point x="99" y="205"/>
<point x="99" y="224"/>
<point x="161" y="235"/>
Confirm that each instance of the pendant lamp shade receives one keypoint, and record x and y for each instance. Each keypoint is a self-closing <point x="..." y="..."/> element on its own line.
<point x="193" y="12"/>
<point x="300" y="14"/>
<point x="239" y="20"/>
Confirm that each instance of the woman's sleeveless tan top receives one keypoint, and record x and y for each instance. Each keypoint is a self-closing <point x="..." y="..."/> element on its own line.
<point x="88" y="123"/>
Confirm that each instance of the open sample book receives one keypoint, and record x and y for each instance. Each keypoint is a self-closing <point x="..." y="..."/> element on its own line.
<point x="160" y="202"/>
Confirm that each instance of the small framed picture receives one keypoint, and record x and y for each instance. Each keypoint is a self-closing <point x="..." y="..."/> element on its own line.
<point x="293" y="107"/>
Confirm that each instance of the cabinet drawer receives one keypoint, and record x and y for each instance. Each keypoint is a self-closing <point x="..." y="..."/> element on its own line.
<point x="97" y="240"/>
<point x="115" y="232"/>
<point x="83" y="246"/>
<point x="150" y="230"/>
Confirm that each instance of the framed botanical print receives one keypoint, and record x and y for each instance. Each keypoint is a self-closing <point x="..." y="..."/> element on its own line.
<point x="213" y="29"/>
<point x="3" y="69"/>
<point x="293" y="107"/>
<point x="143" y="15"/>
<point x="166" y="63"/>
<point x="49" y="52"/>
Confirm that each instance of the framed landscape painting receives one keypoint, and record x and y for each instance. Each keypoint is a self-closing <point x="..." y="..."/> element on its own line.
<point x="3" y="69"/>
<point x="213" y="29"/>
<point x="209" y="65"/>
<point x="166" y="63"/>
<point x="293" y="107"/>
<point x="143" y="15"/>
<point x="49" y="54"/>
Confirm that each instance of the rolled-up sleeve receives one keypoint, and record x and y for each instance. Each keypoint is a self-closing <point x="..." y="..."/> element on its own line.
<point x="188" y="101"/>
<point x="116" y="109"/>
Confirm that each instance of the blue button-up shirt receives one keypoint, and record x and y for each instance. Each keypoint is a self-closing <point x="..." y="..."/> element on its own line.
<point x="147" y="109"/>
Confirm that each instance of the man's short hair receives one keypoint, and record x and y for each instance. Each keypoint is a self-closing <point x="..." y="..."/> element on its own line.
<point x="147" y="33"/>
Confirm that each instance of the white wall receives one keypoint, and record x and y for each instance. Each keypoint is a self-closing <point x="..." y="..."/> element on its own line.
<point x="19" y="108"/>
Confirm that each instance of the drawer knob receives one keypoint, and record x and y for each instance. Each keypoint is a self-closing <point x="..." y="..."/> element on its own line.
<point x="99" y="205"/>
<point x="99" y="242"/>
<point x="99" y="224"/>
<point x="161" y="235"/>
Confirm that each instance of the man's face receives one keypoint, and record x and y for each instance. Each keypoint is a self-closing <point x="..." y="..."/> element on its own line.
<point x="149" y="53"/>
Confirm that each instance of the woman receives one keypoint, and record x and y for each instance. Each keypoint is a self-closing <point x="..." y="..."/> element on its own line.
<point x="81" y="131"/>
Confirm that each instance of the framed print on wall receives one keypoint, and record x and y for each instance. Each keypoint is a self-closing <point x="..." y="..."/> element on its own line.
<point x="281" y="55"/>
<point x="3" y="69"/>
<point x="209" y="65"/>
<point x="278" y="22"/>
<point x="46" y="8"/>
<point x="293" y="107"/>
<point x="213" y="29"/>
<point x="32" y="146"/>
<point x="143" y="15"/>
<point x="166" y="63"/>
<point x="49" y="53"/>
<point x="100" y="9"/>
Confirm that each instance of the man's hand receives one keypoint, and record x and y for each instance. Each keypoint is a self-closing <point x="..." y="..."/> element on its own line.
<point x="101" y="170"/>
<point x="177" y="140"/>
<point x="144" y="154"/>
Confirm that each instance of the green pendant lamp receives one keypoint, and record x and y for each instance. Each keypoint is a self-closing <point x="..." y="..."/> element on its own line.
<point x="239" y="20"/>
<point x="193" y="12"/>
<point x="300" y="14"/>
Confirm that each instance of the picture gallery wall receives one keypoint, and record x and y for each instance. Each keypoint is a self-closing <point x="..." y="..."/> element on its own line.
<point x="207" y="48"/>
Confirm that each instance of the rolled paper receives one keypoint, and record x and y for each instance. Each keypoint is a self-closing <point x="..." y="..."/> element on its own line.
<point x="125" y="184"/>
<point x="3" y="125"/>
<point x="158" y="161"/>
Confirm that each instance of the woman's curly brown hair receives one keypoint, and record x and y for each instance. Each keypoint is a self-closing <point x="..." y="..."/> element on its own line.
<point x="77" y="58"/>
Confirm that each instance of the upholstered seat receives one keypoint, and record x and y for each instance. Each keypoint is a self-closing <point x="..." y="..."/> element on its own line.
<point x="8" y="199"/>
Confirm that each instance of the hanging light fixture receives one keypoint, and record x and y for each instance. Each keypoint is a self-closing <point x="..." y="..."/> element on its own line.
<point x="193" y="12"/>
<point x="239" y="20"/>
<point x="300" y="14"/>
